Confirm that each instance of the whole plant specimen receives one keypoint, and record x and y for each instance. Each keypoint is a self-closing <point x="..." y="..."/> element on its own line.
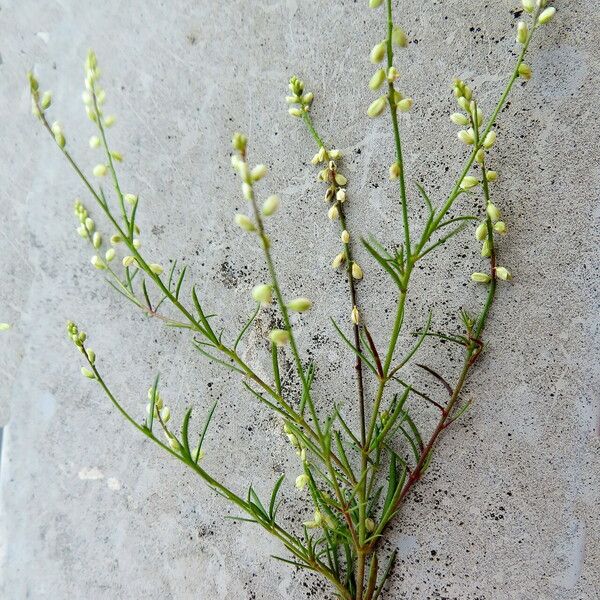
<point x="357" y="478"/>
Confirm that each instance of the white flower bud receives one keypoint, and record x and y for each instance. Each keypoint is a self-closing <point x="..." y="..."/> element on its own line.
<point x="333" y="213"/>
<point x="302" y="481"/>
<point x="466" y="137"/>
<point x="493" y="212"/>
<point x="262" y="293"/>
<point x="136" y="243"/>
<point x="500" y="227"/>
<point x="481" y="232"/>
<point x="547" y="15"/>
<point x="464" y="104"/>
<point x="96" y="240"/>
<point x="341" y="195"/>
<point x="345" y="237"/>
<point x="334" y="154"/>
<point x="394" y="170"/>
<point x="258" y="172"/>
<point x="109" y="121"/>
<point x="307" y="99"/>
<point x="244" y="222"/>
<point x="522" y="32"/>
<point x="89" y="224"/>
<point x="502" y="273"/>
<point x="270" y="206"/>
<point x="99" y="170"/>
<point x="377" y="79"/>
<point x="355" y="315"/>
<point x="87" y="373"/>
<point x="279" y="337"/>
<point x="377" y="53"/>
<point x="459" y="119"/>
<point x="299" y="305"/>
<point x="377" y="106"/>
<point x="247" y="191"/>
<point x="357" y="272"/>
<point x="165" y="414"/>
<point x="129" y="261"/>
<point x="131" y="199"/>
<point x="82" y="231"/>
<point x="110" y="254"/>
<point x="490" y="140"/>
<point x="94" y="141"/>
<point x="481" y="277"/>
<point x="405" y="105"/>
<point x="155" y="268"/>
<point x="295" y="112"/>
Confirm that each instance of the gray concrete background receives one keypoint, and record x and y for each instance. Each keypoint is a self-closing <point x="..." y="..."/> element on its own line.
<point x="89" y="509"/>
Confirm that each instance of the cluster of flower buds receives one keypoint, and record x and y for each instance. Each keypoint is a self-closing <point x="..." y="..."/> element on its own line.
<point x="39" y="102"/>
<point x="378" y="53"/>
<point x="299" y="100"/>
<point x="79" y="338"/>
<point x="486" y="236"/>
<point x="159" y="407"/>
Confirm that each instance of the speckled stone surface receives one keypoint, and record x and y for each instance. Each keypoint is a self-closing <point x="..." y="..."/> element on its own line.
<point x="89" y="509"/>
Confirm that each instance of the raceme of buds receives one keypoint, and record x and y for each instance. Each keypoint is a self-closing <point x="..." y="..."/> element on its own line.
<point x="481" y="277"/>
<point x="357" y="272"/>
<point x="503" y="274"/>
<point x="378" y="53"/>
<point x="299" y="304"/>
<point x="262" y="293"/>
<point x="279" y="337"/>
<point x="377" y="106"/>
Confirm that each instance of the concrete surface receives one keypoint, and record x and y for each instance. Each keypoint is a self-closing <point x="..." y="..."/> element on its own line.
<point x="91" y="510"/>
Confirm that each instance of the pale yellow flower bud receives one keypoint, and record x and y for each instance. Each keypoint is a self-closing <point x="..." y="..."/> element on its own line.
<point x="482" y="231"/>
<point x="156" y="268"/>
<point x="341" y="195"/>
<point x="302" y="481"/>
<point x="528" y="5"/>
<point x="466" y="137"/>
<point x="4" y="326"/>
<point x="486" y="249"/>
<point x="355" y="315"/>
<point x="493" y="212"/>
<point x="338" y="261"/>
<point x="375" y="3"/>
<point x="136" y="244"/>
<point x="369" y="525"/>
<point x="299" y="304"/>
<point x="262" y="293"/>
<point x="87" y="373"/>
<point x="377" y="53"/>
<point x="91" y="355"/>
<point x="340" y="179"/>
<point x="333" y="213"/>
<point x="116" y="239"/>
<point x="480" y="156"/>
<point x="129" y="261"/>
<point x="525" y="71"/>
<point x="392" y="74"/>
<point x="131" y="199"/>
<point x="98" y="263"/>
<point x="503" y="274"/>
<point x="165" y="414"/>
<point x="334" y="154"/>
<point x="459" y="119"/>
<point x="116" y="155"/>
<point x="247" y="191"/>
<point x="399" y="38"/>
<point x="377" y="106"/>
<point x="89" y="224"/>
<point x="295" y="112"/>
<point x="46" y="100"/>
<point x="110" y="254"/>
<point x="258" y="172"/>
<point x="239" y="142"/>
<point x="357" y="272"/>
<point x="547" y="15"/>
<point x="279" y="337"/>
<point x="345" y="237"/>
<point x="394" y="170"/>
<point x="405" y="105"/>
<point x="94" y="141"/>
<point x="469" y="182"/>
<point x="481" y="277"/>
<point x="96" y="240"/>
<point x="174" y="444"/>
<point x="244" y="222"/>
<point x="270" y="205"/>
<point x="490" y="140"/>
<point x="491" y="175"/>
<point x="377" y="79"/>
<point x="500" y="227"/>
<point x="109" y="121"/>
<point x="99" y="170"/>
<point x="522" y="32"/>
